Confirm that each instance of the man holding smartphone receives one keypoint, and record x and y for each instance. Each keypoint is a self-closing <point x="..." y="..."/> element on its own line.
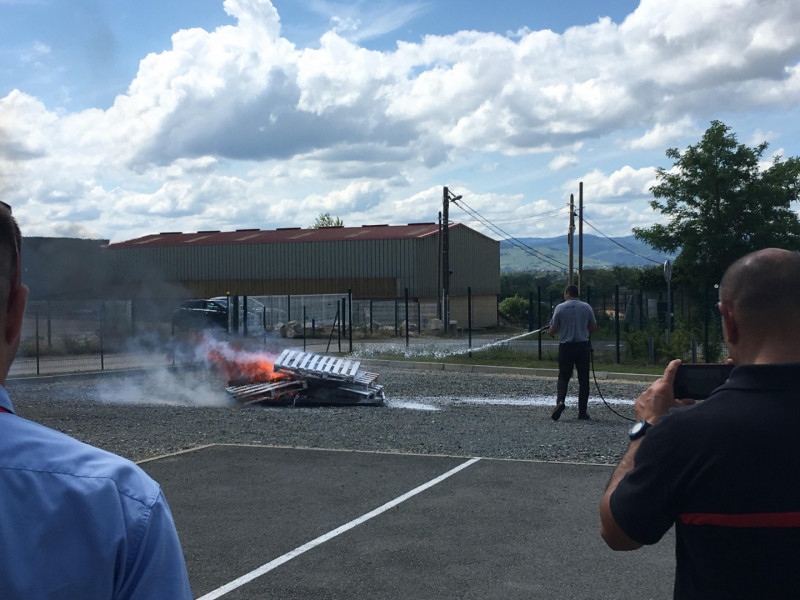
<point x="725" y="470"/>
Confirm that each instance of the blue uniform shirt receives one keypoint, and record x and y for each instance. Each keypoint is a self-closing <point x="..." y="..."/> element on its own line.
<point x="77" y="522"/>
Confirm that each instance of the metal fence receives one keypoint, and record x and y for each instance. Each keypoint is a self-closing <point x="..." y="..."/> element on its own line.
<point x="65" y="337"/>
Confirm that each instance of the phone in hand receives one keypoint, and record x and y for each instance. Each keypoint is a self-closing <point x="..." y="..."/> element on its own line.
<point x="698" y="380"/>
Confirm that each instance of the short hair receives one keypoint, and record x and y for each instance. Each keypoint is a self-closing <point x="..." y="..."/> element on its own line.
<point x="10" y="247"/>
<point x="765" y="283"/>
<point x="572" y="290"/>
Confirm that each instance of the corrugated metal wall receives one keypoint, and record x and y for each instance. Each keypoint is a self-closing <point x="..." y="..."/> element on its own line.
<point x="371" y="268"/>
<point x="474" y="262"/>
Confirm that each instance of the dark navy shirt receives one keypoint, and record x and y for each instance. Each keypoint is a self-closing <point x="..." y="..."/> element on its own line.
<point x="726" y="473"/>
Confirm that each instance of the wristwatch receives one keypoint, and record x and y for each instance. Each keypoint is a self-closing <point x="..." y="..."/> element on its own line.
<point x="639" y="429"/>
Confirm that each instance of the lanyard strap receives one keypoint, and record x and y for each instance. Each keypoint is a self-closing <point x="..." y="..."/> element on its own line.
<point x="4" y="410"/>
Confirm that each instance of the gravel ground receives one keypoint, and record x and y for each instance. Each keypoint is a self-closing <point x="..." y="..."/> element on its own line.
<point x="149" y="414"/>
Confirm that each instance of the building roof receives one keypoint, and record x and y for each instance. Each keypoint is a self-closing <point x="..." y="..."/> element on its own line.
<point x="284" y="235"/>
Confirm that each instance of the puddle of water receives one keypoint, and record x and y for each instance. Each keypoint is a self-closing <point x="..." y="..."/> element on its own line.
<point x="443" y="403"/>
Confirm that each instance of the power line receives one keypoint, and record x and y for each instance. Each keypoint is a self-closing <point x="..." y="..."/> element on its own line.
<point x="508" y="237"/>
<point x="535" y="219"/>
<point x="589" y="223"/>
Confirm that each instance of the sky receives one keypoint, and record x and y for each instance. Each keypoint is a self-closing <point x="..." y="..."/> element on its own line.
<point x="123" y="118"/>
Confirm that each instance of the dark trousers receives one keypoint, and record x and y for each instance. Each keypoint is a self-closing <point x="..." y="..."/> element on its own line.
<point x="574" y="355"/>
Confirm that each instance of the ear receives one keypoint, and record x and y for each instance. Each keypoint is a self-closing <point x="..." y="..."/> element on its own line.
<point x="729" y="327"/>
<point x="15" y="312"/>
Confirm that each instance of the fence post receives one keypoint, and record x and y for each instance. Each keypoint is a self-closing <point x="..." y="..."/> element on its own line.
<point x="37" y="343"/>
<point x="341" y="320"/>
<point x="350" y="317"/>
<point x="469" y="318"/>
<point x="406" y="307"/>
<point x="245" y="316"/>
<point x="102" y="326"/>
<point x="705" y="324"/>
<point x="616" y="319"/>
<point x="641" y="310"/>
<point x="539" y="323"/>
<point x="530" y="311"/>
<point x="49" y="325"/>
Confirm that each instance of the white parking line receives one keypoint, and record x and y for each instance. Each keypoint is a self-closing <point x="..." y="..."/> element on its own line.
<point x="266" y="568"/>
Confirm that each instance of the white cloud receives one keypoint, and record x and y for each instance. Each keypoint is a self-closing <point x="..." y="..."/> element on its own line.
<point x="664" y="134"/>
<point x="237" y="125"/>
<point x="563" y="161"/>
<point x="624" y="186"/>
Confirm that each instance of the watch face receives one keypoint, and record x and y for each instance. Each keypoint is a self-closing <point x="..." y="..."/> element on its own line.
<point x="638" y="430"/>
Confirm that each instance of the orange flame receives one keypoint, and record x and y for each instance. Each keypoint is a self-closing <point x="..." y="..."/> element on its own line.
<point x="245" y="366"/>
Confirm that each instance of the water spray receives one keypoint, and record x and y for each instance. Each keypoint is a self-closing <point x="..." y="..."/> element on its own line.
<point x="499" y="342"/>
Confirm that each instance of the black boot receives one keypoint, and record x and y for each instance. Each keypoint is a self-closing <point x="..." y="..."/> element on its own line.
<point x="561" y="395"/>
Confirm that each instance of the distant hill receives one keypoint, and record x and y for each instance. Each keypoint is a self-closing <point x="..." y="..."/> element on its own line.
<point x="598" y="253"/>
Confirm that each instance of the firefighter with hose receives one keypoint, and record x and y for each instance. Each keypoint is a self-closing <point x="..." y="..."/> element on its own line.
<point x="573" y="320"/>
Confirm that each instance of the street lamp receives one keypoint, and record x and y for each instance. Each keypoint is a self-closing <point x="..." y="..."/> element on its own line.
<point x="447" y="198"/>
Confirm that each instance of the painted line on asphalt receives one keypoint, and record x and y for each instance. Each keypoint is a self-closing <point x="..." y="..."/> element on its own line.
<point x="266" y="568"/>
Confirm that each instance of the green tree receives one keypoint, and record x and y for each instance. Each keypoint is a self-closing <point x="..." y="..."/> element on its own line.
<point x="515" y="308"/>
<point x="721" y="205"/>
<point x="326" y="220"/>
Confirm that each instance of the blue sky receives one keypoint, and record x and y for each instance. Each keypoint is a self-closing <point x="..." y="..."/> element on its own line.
<point x="121" y="118"/>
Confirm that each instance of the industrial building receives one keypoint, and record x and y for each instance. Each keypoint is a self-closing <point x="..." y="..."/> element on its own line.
<point x="378" y="262"/>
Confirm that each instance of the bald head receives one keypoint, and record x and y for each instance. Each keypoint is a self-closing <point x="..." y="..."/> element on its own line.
<point x="763" y="289"/>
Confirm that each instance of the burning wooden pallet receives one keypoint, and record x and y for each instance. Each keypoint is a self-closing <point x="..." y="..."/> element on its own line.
<point x="305" y="377"/>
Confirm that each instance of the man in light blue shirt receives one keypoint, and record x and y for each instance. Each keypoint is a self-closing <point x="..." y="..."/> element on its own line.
<point x="573" y="319"/>
<point x="76" y="522"/>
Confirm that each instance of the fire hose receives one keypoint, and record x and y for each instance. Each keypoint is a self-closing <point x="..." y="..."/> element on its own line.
<point x="597" y="385"/>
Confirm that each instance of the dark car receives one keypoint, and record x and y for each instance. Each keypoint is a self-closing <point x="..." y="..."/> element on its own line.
<point x="259" y="316"/>
<point x="201" y="314"/>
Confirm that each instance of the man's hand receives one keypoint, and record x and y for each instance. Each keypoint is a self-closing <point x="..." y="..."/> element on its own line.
<point x="656" y="400"/>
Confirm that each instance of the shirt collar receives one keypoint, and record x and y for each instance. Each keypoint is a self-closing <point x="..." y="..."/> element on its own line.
<point x="765" y="377"/>
<point x="5" y="401"/>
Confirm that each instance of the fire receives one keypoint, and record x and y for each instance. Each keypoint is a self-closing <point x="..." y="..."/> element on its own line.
<point x="241" y="365"/>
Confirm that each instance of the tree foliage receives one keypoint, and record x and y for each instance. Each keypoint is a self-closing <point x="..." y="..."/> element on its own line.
<point x="722" y="204"/>
<point x="326" y="220"/>
<point x="515" y="308"/>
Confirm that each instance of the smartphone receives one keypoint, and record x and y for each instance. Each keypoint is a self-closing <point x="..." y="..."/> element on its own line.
<point x="698" y="380"/>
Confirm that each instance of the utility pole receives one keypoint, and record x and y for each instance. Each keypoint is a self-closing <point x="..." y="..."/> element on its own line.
<point x="570" y="235"/>
<point x="439" y="271"/>
<point x="447" y="198"/>
<point x="580" y="237"/>
<point x="446" y="260"/>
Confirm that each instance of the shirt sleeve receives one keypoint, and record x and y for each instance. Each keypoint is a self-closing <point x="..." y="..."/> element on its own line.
<point x="642" y="503"/>
<point x="159" y="568"/>
<point x="554" y="318"/>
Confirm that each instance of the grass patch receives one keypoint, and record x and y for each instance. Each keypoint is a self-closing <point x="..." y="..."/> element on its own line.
<point x="509" y="358"/>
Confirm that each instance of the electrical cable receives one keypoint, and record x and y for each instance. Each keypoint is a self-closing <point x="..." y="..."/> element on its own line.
<point x="586" y="220"/>
<point x="514" y="241"/>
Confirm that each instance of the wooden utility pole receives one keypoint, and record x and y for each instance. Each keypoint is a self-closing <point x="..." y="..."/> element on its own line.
<point x="446" y="260"/>
<point x="570" y="236"/>
<point x="580" y="237"/>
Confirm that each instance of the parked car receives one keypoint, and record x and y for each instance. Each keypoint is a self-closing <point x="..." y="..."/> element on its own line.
<point x="201" y="314"/>
<point x="259" y="316"/>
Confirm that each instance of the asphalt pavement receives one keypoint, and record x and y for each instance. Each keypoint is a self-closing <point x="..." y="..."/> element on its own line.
<point x="284" y="523"/>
